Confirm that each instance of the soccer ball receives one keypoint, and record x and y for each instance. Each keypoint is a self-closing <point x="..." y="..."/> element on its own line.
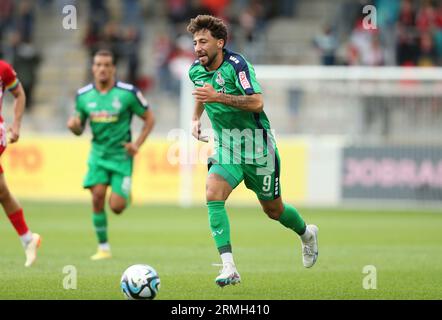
<point x="140" y="282"/>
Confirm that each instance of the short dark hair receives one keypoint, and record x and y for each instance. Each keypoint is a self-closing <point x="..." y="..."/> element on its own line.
<point x="216" y="26"/>
<point x="105" y="53"/>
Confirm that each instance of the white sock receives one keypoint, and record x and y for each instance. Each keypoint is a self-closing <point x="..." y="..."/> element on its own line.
<point x="104" y="246"/>
<point x="26" y="238"/>
<point x="307" y="235"/>
<point x="227" y="257"/>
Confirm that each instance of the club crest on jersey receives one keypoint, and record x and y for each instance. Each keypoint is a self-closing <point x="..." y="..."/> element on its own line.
<point x="116" y="104"/>
<point x="220" y="80"/>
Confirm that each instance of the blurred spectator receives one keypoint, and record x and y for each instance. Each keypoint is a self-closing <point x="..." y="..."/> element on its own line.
<point x="25" y="60"/>
<point x="6" y="10"/>
<point x="132" y="13"/>
<point x="179" y="60"/>
<point x="6" y="18"/>
<point x="327" y="44"/>
<point x="173" y="59"/>
<point x="438" y="16"/>
<point x="123" y="43"/>
<point x="216" y="7"/>
<point x="427" y="51"/>
<point x="25" y="20"/>
<point x="407" y="14"/>
<point x="177" y="10"/>
<point x="363" y="49"/>
<point x="375" y="55"/>
<point x="98" y="13"/>
<point x="163" y="48"/>
<point x="131" y="48"/>
<point x="252" y="20"/>
<point x="425" y="17"/>
<point x="438" y="33"/>
<point x="92" y="38"/>
<point x="99" y="8"/>
<point x="407" y="52"/>
<point x="112" y="39"/>
<point x="406" y="49"/>
<point x="198" y="7"/>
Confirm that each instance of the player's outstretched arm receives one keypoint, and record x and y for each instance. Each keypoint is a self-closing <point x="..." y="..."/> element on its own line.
<point x="207" y="94"/>
<point x="149" y="122"/>
<point x="19" y="109"/>
<point x="74" y="124"/>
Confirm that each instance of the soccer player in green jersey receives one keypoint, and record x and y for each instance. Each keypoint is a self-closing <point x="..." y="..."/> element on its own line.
<point x="245" y="149"/>
<point x="109" y="105"/>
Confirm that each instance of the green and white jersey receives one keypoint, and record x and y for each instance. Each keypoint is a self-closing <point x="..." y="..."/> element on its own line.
<point x="249" y="131"/>
<point x="110" y="116"/>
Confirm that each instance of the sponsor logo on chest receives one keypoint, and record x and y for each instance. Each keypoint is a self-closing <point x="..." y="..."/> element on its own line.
<point x="103" y="117"/>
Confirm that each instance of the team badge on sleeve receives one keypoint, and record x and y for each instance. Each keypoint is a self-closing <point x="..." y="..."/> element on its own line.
<point x="142" y="99"/>
<point x="243" y="80"/>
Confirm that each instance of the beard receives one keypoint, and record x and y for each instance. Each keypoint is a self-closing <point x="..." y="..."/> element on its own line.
<point x="104" y="80"/>
<point x="207" y="60"/>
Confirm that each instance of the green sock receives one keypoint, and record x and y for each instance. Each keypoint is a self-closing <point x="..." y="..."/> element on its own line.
<point x="290" y="218"/>
<point x="219" y="225"/>
<point x="100" y="224"/>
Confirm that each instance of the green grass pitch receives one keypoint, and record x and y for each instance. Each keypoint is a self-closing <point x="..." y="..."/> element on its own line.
<point x="405" y="248"/>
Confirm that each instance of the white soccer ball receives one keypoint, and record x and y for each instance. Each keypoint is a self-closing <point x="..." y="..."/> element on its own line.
<point x="140" y="282"/>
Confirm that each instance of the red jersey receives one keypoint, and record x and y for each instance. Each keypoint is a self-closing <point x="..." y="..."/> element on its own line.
<point x="8" y="81"/>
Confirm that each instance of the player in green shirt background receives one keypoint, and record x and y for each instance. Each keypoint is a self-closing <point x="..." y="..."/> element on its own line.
<point x="245" y="149"/>
<point x="109" y="106"/>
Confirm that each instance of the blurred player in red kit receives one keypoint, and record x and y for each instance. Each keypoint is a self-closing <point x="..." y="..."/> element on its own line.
<point x="9" y="82"/>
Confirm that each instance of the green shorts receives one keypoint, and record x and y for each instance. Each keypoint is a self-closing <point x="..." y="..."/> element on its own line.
<point x="117" y="174"/>
<point x="262" y="177"/>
